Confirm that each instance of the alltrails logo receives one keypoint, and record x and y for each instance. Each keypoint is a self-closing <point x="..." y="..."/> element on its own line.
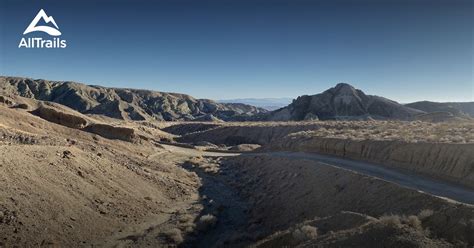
<point x="39" y="42"/>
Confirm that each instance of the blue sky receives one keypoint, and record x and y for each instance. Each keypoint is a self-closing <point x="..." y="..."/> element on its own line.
<point x="404" y="50"/>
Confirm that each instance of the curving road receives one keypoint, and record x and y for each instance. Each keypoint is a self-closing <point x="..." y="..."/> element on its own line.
<point x="406" y="179"/>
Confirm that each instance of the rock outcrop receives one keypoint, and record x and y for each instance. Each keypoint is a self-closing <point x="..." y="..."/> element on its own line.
<point x="112" y="132"/>
<point x="5" y="100"/>
<point x="342" y="102"/>
<point x="64" y="116"/>
<point x="60" y="117"/>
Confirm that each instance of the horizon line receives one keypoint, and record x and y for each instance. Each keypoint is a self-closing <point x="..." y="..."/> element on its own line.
<point x="235" y="98"/>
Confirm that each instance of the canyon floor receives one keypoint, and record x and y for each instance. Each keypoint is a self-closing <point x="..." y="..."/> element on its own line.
<point x="74" y="180"/>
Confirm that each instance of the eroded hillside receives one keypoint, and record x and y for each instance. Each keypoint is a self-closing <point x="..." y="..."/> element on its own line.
<point x="125" y="104"/>
<point x="441" y="150"/>
<point x="73" y="179"/>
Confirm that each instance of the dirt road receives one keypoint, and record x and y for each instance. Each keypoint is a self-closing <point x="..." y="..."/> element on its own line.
<point x="403" y="178"/>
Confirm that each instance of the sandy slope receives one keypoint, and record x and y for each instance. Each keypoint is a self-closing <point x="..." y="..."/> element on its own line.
<point x="68" y="187"/>
<point x="284" y="193"/>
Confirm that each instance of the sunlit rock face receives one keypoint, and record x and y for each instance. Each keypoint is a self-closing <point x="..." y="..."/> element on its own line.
<point x="343" y="102"/>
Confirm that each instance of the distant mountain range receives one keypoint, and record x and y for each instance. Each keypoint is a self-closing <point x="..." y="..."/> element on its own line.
<point x="266" y="103"/>
<point x="342" y="102"/>
<point x="127" y="104"/>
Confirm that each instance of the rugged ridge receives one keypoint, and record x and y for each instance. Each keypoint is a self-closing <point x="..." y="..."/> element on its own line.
<point x="342" y="102"/>
<point x="459" y="109"/>
<point x="125" y="104"/>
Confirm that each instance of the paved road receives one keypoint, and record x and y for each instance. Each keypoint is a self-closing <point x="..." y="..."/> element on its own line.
<point x="404" y="178"/>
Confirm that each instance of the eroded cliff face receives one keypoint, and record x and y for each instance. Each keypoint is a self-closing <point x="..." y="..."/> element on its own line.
<point x="355" y="140"/>
<point x="283" y="192"/>
<point x="451" y="162"/>
<point x="124" y="104"/>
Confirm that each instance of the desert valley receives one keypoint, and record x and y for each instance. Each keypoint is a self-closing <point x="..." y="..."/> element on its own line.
<point x="89" y="166"/>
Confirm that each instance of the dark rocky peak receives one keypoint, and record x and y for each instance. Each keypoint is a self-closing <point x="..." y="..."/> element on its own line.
<point x="343" y="87"/>
<point x="343" y="101"/>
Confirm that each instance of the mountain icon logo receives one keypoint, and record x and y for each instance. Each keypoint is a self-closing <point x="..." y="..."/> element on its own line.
<point x="47" y="19"/>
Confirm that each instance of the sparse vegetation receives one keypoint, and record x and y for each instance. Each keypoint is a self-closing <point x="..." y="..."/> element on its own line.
<point x="397" y="220"/>
<point x="414" y="222"/>
<point x="390" y="220"/>
<point x="206" y="221"/>
<point x="425" y="213"/>
<point x="205" y="164"/>
<point x="174" y="235"/>
<point x="305" y="232"/>
<point x="415" y="131"/>
<point x="146" y="179"/>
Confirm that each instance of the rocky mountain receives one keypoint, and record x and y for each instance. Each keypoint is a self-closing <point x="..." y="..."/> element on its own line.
<point x="342" y="102"/>
<point x="127" y="104"/>
<point x="459" y="109"/>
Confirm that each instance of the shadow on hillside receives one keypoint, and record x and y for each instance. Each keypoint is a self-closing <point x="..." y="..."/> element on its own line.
<point x="223" y="202"/>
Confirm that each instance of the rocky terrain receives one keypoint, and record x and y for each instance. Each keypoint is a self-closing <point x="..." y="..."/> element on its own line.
<point x="125" y="104"/>
<point x="342" y="102"/>
<point x="65" y="187"/>
<point x="442" y="150"/>
<point x="272" y="132"/>
<point x="459" y="109"/>
<point x="78" y="178"/>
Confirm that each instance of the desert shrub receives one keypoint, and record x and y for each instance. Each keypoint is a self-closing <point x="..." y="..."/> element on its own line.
<point x="185" y="222"/>
<point x="185" y="218"/>
<point x="414" y="222"/>
<point x="398" y="221"/>
<point x="206" y="221"/>
<point x="306" y="232"/>
<point x="391" y="220"/>
<point x="416" y="131"/>
<point x="174" y="235"/>
<point x="425" y="213"/>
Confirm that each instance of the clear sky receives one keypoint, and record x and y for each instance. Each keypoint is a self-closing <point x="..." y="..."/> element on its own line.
<point x="406" y="50"/>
